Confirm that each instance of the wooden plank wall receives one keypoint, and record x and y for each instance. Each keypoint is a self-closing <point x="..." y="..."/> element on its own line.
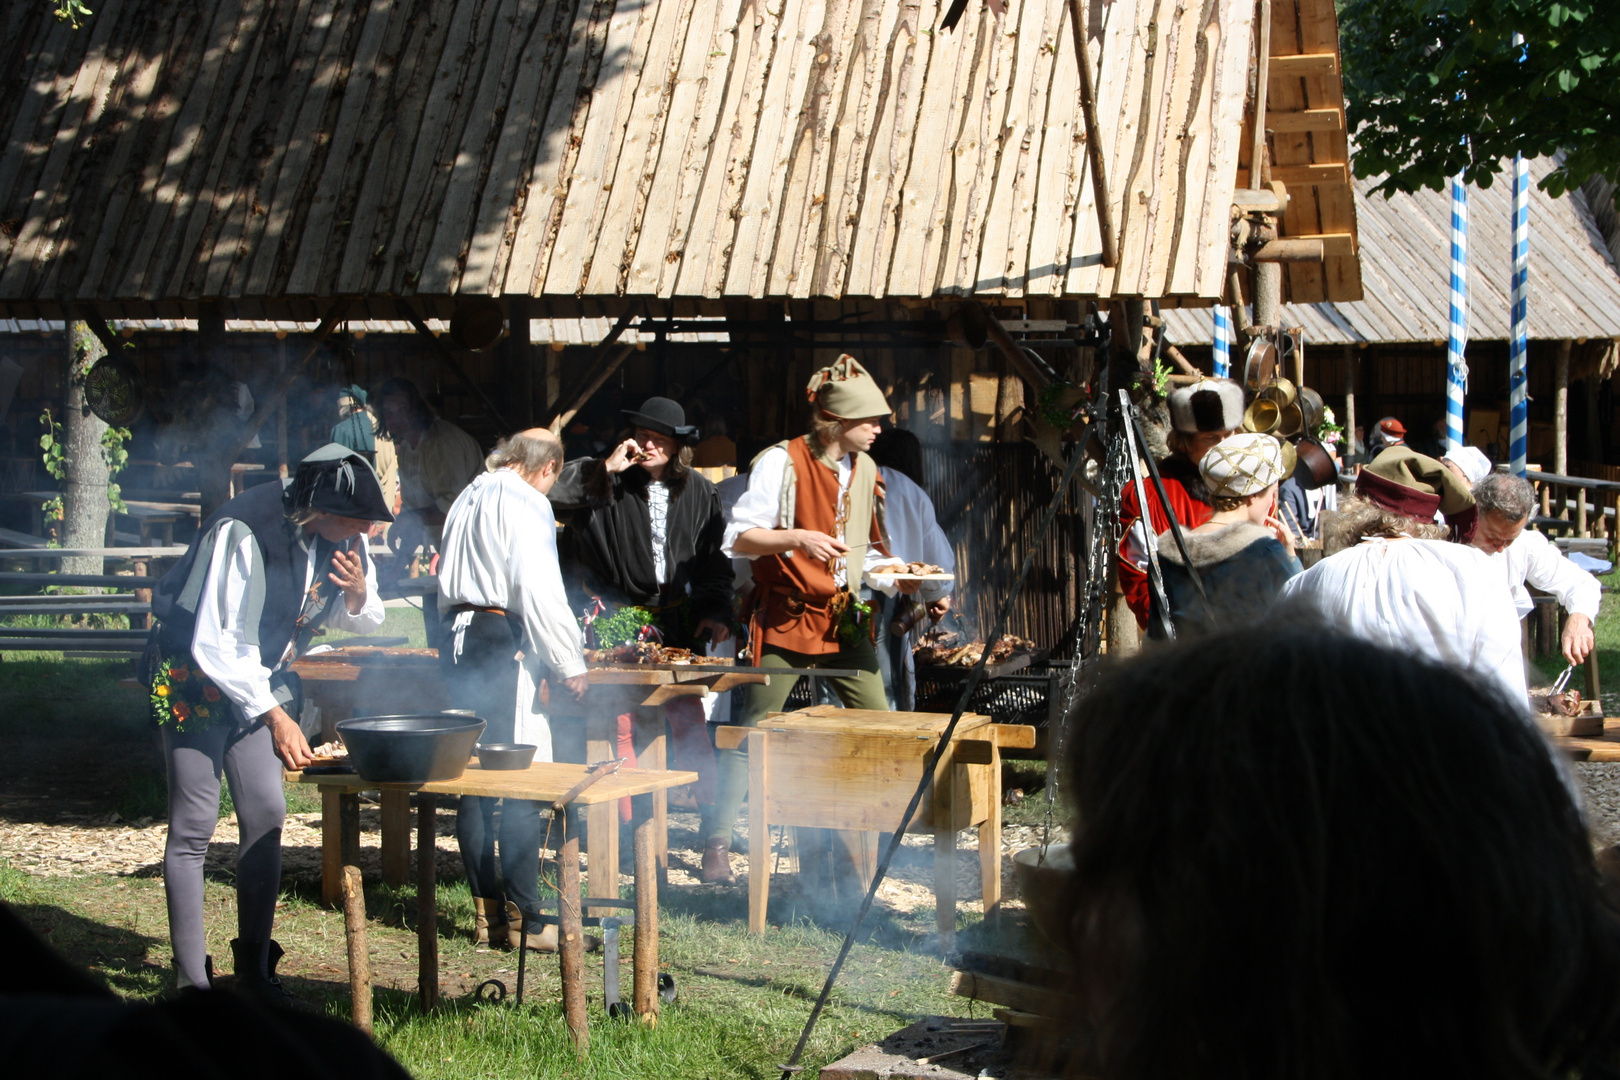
<point x="272" y="152"/>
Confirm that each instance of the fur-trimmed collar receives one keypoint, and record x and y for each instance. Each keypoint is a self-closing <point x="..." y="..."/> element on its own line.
<point x="1209" y="548"/>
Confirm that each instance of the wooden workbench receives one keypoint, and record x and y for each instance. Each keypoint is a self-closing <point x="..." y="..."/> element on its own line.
<point x="542" y="782"/>
<point x="1599" y="748"/>
<point x="856" y="770"/>
<point x="642" y="690"/>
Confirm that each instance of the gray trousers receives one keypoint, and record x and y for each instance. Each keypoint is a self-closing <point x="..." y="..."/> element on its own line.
<point x="195" y="762"/>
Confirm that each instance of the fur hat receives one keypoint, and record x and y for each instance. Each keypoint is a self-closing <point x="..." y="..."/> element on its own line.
<point x="1209" y="405"/>
<point x="848" y="391"/>
<point x="1242" y="465"/>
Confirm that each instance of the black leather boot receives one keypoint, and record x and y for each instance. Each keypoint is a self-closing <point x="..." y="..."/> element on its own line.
<point x="262" y="983"/>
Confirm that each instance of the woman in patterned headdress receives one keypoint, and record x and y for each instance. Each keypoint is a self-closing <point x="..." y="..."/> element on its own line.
<point x="1243" y="553"/>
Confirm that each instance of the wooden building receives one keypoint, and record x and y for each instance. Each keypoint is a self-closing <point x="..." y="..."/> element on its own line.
<point x="752" y="188"/>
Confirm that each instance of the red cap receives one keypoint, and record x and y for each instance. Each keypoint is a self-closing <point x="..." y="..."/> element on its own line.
<point x="1392" y="426"/>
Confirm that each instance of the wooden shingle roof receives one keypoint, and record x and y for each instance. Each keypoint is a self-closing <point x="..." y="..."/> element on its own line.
<point x="1406" y="271"/>
<point x="272" y="152"/>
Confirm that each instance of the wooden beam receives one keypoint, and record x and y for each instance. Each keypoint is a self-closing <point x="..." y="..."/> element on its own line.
<point x="607" y="359"/>
<point x="1257" y="151"/>
<point x="1306" y="120"/>
<point x="1261" y="200"/>
<point x="1017" y="359"/>
<point x="289" y="375"/>
<point x="1332" y="243"/>
<point x="1094" y="146"/>
<point x="453" y="364"/>
<point x="98" y="326"/>
<point x="1292" y="249"/>
<point x="1334" y="172"/>
<point x="1304" y="65"/>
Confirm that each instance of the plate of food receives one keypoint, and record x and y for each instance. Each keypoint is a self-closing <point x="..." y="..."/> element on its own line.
<point x="915" y="571"/>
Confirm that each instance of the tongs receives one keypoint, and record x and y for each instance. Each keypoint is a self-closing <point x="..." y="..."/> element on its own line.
<point x="1562" y="681"/>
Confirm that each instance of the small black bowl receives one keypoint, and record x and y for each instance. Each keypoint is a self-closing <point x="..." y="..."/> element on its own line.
<point x="504" y="755"/>
<point x="413" y="749"/>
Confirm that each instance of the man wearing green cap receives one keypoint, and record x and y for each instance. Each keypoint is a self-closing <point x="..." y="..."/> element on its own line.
<point x="812" y="524"/>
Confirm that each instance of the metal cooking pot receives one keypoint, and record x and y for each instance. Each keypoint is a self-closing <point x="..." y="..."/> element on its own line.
<point x="413" y="749"/>
<point x="505" y="755"/>
<point x="1318" y="462"/>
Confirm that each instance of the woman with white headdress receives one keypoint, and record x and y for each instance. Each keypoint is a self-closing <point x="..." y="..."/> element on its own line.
<point x="1243" y="553"/>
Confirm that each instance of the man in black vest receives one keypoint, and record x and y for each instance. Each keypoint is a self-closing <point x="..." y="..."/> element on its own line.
<point x="266" y="570"/>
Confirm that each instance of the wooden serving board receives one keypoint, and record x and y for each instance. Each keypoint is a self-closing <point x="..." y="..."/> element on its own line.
<point x="912" y="577"/>
<point x="1586" y="724"/>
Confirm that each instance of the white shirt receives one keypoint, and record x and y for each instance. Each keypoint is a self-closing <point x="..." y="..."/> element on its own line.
<point x="914" y="532"/>
<point x="742" y="569"/>
<point x="1535" y="559"/>
<point x="761" y="505"/>
<point x="226" y="647"/>
<point x="1428" y="598"/>
<point x="500" y="551"/>
<point x="658" y="511"/>
<point x="434" y="471"/>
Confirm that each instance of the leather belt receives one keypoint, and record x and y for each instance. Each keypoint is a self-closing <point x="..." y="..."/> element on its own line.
<point x="474" y="607"/>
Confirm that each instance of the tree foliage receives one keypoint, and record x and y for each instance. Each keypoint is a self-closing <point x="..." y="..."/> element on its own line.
<point x="1438" y="86"/>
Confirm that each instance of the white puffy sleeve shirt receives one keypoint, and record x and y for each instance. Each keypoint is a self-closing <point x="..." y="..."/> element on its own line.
<point x="761" y="508"/>
<point x="1536" y="560"/>
<point x="1428" y="598"/>
<point x="225" y="643"/>
<point x="500" y="551"/>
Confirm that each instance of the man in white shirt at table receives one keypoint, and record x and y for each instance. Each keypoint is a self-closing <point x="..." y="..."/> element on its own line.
<point x="507" y="625"/>
<point x="1505" y="504"/>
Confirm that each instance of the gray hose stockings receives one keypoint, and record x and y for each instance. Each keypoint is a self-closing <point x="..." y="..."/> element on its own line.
<point x="195" y="763"/>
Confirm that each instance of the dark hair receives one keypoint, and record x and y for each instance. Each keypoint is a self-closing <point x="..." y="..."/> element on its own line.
<point x="675" y="473"/>
<point x="897" y="448"/>
<point x="1298" y="854"/>
<point x="421" y="412"/>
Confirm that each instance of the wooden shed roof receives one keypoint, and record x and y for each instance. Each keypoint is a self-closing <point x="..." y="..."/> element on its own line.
<point x="1406" y="271"/>
<point x="269" y="152"/>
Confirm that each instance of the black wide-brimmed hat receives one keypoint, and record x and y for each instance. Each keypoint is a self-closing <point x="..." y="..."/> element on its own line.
<point x="665" y="417"/>
<point x="338" y="481"/>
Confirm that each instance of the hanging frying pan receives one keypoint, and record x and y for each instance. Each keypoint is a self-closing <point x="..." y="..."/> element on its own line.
<point x="114" y="390"/>
<point x="1261" y="365"/>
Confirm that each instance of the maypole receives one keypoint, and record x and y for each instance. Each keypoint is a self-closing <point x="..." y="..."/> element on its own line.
<point x="1456" y="363"/>
<point x="1518" y="401"/>
<point x="1223" y="341"/>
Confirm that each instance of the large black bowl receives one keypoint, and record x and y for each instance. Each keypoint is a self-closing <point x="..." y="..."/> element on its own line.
<point x="413" y="749"/>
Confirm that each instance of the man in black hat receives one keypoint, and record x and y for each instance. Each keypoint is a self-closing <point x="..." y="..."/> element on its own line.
<point x="645" y="530"/>
<point x="265" y="572"/>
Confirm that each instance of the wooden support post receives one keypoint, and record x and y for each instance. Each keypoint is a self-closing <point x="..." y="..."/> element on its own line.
<point x="427" y="902"/>
<point x="1094" y="142"/>
<point x="1268" y="295"/>
<point x="1349" y="450"/>
<point x="990" y="840"/>
<point x="1561" y="409"/>
<point x="645" y="994"/>
<point x="354" y="932"/>
<point x="571" y="936"/>
<point x="396" y="837"/>
<point x="142" y="622"/>
<point x="945" y="859"/>
<point x="1262" y="85"/>
<point x="331" y="848"/>
<point x="521" y="358"/>
<point x="1580" y="512"/>
<point x="759" y="833"/>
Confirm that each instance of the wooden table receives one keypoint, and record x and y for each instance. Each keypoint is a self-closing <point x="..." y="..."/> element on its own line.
<point x="1604" y="748"/>
<point x="640" y="689"/>
<point x="855" y="769"/>
<point x="541" y="782"/>
<point x="389" y="682"/>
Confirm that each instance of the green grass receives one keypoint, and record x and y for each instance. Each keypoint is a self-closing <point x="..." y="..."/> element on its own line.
<point x="405" y="622"/>
<point x="1607" y="632"/>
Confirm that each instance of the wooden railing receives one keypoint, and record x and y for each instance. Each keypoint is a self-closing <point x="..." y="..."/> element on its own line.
<point x="1587" y="503"/>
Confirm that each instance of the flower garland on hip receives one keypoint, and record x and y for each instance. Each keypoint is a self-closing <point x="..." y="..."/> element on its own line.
<point x="184" y="698"/>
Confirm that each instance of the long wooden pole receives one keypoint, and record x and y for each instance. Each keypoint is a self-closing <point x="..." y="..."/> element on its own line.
<point x="1094" y="146"/>
<point x="1257" y="150"/>
<point x="427" y="903"/>
<point x="1561" y="409"/>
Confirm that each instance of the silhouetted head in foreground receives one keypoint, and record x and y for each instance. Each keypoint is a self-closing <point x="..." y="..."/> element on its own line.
<point x="1300" y="855"/>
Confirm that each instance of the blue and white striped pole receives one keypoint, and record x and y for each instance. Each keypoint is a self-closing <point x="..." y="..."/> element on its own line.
<point x="1456" y="364"/>
<point x="1518" y="399"/>
<point x="1223" y="341"/>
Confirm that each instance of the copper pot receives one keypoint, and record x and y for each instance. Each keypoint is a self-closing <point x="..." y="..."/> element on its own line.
<point x="1318" y="464"/>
